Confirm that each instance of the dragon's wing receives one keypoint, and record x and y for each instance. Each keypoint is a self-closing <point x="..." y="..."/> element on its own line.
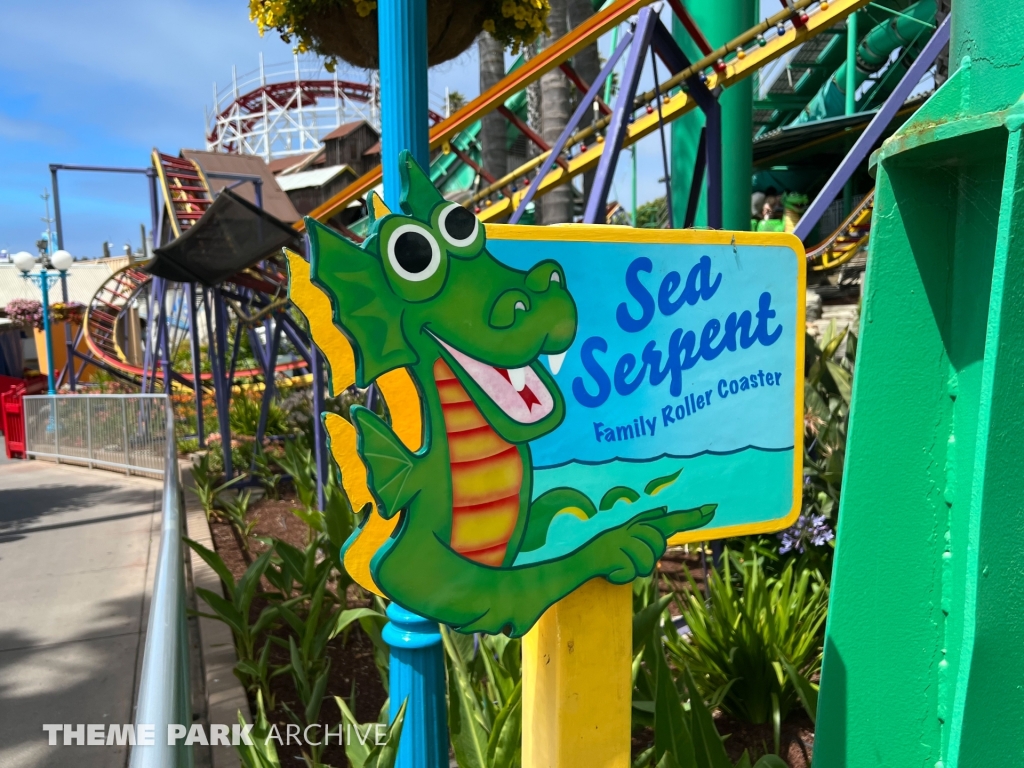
<point x="399" y="393"/>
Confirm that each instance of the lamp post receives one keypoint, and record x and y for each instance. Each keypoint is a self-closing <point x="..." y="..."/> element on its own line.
<point x="60" y="261"/>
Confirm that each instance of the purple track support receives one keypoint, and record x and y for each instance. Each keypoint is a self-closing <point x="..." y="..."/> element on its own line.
<point x="218" y="342"/>
<point x="165" y="347"/>
<point x="661" y="135"/>
<point x="298" y="338"/>
<point x="197" y="367"/>
<point x="259" y="349"/>
<point x="235" y="345"/>
<point x="598" y="202"/>
<point x="154" y="208"/>
<point x="69" y="368"/>
<point x="148" y="339"/>
<point x="878" y="124"/>
<point x="269" y="388"/>
<point x="698" y="174"/>
<point x="713" y="161"/>
<point x="581" y="109"/>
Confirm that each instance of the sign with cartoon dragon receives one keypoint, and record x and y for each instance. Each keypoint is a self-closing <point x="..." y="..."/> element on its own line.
<point x="488" y="490"/>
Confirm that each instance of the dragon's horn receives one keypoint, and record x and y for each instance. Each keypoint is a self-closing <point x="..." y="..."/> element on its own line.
<point x="377" y="208"/>
<point x="419" y="195"/>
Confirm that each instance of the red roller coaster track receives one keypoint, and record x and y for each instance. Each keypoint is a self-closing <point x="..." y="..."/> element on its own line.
<point x="250" y="105"/>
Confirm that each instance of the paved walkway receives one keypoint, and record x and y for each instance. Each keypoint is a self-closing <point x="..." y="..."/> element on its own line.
<point x="77" y="551"/>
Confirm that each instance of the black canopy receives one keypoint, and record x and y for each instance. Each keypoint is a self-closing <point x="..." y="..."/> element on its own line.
<point x="231" y="235"/>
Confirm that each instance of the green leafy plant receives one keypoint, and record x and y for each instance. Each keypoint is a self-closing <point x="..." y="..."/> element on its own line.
<point x="359" y="751"/>
<point x="314" y="622"/>
<point x="372" y="621"/>
<point x="236" y="511"/>
<point x="828" y="388"/>
<point x="252" y="668"/>
<point x="205" y="480"/>
<point x="755" y="644"/>
<point x="485" y="688"/>
<point x="298" y="462"/>
<point x="684" y="729"/>
<point x="263" y="470"/>
<point x="261" y="753"/>
<point x="244" y="416"/>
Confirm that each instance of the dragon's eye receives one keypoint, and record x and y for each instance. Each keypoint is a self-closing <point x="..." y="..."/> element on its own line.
<point x="413" y="252"/>
<point x="458" y="225"/>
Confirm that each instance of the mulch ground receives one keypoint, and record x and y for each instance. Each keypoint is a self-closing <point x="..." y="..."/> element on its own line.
<point x="353" y="669"/>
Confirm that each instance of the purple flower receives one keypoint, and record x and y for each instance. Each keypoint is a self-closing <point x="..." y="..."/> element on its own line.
<point x="25" y="312"/>
<point x="808" y="530"/>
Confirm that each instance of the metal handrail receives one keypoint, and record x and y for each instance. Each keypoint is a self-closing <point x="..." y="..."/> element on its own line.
<point x="164" y="696"/>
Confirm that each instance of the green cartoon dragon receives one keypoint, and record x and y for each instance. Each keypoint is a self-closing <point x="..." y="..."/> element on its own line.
<point x="423" y="293"/>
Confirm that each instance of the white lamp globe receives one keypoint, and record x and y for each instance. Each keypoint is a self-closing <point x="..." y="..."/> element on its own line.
<point x="62" y="260"/>
<point x="24" y="261"/>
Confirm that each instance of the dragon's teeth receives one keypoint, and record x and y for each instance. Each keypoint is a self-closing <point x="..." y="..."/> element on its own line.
<point x="555" y="362"/>
<point x="518" y="378"/>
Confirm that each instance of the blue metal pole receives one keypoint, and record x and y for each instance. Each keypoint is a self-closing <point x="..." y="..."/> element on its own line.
<point x="44" y="284"/>
<point x="417" y="674"/>
<point x="417" y="656"/>
<point x="403" y="88"/>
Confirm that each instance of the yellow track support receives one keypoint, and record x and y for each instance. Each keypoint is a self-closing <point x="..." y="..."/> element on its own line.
<point x="676" y="106"/>
<point x="615" y="14"/>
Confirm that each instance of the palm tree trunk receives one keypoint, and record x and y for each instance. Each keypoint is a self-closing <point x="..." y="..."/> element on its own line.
<point x="587" y="64"/>
<point x="492" y="131"/>
<point x="556" y="205"/>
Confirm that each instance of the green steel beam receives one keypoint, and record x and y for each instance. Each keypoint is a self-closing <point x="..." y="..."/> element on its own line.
<point x="925" y="640"/>
<point x="782" y="101"/>
<point x="720" y="21"/>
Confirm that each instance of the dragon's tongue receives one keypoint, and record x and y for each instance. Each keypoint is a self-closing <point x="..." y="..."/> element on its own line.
<point x="515" y="391"/>
<point x="525" y="392"/>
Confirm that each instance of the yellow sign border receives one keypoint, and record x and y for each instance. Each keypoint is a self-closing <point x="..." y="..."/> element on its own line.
<point x="595" y="233"/>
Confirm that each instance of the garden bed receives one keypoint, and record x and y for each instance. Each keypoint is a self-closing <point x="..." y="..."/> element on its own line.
<point x="353" y="669"/>
<point x="354" y="675"/>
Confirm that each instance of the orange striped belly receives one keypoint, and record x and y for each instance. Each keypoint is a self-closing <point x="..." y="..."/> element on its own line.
<point x="487" y="475"/>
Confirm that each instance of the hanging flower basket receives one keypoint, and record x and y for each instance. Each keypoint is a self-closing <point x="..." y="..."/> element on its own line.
<point x="347" y="29"/>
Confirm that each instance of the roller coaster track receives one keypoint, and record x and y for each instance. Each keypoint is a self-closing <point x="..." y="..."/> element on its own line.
<point x="843" y="244"/>
<point x="248" y="110"/>
<point x="187" y="195"/>
<point x="104" y="312"/>
<point x="186" y="190"/>
<point x="733" y="70"/>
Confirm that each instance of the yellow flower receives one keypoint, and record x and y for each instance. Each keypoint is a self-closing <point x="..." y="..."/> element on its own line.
<point x="488" y="25"/>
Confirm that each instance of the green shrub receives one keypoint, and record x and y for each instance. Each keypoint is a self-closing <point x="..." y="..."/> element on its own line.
<point x="485" y="707"/>
<point x="684" y="728"/>
<point x="756" y="642"/>
<point x="244" y="416"/>
<point x="205" y="478"/>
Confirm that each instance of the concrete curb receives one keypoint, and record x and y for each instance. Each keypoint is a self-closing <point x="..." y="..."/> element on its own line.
<point x="225" y="696"/>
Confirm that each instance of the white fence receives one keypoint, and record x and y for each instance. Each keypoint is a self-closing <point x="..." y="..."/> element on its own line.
<point x="120" y="432"/>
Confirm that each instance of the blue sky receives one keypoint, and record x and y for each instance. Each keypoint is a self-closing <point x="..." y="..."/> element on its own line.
<point x="103" y="84"/>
